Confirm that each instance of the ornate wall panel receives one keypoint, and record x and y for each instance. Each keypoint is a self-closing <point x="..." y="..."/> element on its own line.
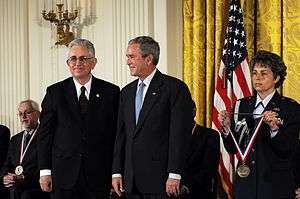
<point x="30" y="61"/>
<point x="14" y="73"/>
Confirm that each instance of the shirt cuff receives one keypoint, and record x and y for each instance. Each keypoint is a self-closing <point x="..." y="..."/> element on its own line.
<point x="175" y="176"/>
<point x="116" y="175"/>
<point x="45" y="172"/>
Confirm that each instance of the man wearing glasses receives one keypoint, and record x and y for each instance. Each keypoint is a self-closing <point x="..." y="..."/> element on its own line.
<point x="77" y="130"/>
<point x="20" y="172"/>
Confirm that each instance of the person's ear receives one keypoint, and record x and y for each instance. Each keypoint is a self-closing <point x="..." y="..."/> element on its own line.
<point x="149" y="59"/>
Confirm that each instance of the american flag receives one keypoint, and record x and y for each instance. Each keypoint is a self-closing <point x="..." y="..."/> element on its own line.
<point x="233" y="82"/>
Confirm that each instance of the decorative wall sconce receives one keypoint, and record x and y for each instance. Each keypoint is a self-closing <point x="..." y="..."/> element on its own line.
<point x="62" y="20"/>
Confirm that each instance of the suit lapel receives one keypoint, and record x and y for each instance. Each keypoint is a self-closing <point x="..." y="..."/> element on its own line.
<point x="151" y="97"/>
<point x="95" y="98"/>
<point x="71" y="99"/>
<point x="30" y="150"/>
<point x="130" y="101"/>
<point x="19" y="145"/>
<point x="274" y="103"/>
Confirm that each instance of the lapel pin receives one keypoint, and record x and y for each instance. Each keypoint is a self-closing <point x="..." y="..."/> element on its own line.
<point x="154" y="93"/>
<point x="97" y="95"/>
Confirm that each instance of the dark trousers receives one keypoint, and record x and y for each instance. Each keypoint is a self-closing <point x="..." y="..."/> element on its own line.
<point x="147" y="196"/>
<point x="136" y="194"/>
<point x="80" y="190"/>
<point x="34" y="193"/>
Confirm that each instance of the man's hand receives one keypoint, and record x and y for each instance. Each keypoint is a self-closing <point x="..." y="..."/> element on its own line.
<point x="173" y="187"/>
<point x="9" y="180"/>
<point x="46" y="183"/>
<point x="117" y="184"/>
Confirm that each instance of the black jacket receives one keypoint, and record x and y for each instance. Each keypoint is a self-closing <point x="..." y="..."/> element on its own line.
<point x="67" y="142"/>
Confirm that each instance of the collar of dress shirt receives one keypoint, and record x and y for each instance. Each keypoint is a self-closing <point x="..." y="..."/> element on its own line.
<point x="147" y="82"/>
<point x="30" y="131"/>
<point x="264" y="101"/>
<point x="86" y="85"/>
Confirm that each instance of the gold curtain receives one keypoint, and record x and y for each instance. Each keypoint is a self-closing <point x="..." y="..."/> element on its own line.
<point x="272" y="25"/>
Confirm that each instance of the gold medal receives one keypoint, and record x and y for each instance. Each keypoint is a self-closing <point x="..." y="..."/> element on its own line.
<point x="243" y="171"/>
<point x="19" y="170"/>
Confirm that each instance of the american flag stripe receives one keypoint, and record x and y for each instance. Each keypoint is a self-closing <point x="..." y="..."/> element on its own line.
<point x="234" y="59"/>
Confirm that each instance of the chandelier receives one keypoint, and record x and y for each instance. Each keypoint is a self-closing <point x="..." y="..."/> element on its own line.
<point x="62" y="19"/>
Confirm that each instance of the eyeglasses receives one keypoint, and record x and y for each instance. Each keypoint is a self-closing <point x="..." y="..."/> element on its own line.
<point x="26" y="113"/>
<point x="73" y="60"/>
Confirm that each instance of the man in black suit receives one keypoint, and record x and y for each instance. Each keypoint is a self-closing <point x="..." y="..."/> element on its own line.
<point x="199" y="178"/>
<point x="4" y="143"/>
<point x="154" y="125"/>
<point x="20" y="171"/>
<point x="267" y="171"/>
<point x="77" y="130"/>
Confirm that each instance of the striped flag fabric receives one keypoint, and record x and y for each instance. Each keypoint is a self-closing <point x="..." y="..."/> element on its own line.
<point x="233" y="82"/>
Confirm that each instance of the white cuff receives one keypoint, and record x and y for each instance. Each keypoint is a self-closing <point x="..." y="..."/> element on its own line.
<point x="116" y="175"/>
<point x="45" y="172"/>
<point x="175" y="176"/>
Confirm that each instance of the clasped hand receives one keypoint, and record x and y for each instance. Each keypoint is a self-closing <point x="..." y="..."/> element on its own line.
<point x="10" y="179"/>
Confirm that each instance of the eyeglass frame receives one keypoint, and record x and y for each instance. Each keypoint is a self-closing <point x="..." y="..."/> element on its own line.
<point x="82" y="59"/>
<point x="27" y="113"/>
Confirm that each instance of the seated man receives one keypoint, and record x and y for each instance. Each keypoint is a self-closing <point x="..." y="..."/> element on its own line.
<point x="202" y="161"/>
<point x="20" y="173"/>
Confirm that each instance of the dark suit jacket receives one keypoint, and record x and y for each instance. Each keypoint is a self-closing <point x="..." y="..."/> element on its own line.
<point x="271" y="175"/>
<point x="4" y="143"/>
<point x="68" y="143"/>
<point x="202" y="163"/>
<point x="147" y="152"/>
<point x="29" y="163"/>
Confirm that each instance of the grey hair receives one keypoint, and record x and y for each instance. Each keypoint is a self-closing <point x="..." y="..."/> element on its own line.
<point x="83" y="43"/>
<point x="34" y="105"/>
<point x="148" y="46"/>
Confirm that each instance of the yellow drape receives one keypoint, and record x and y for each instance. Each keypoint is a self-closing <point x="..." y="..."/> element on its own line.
<point x="272" y="25"/>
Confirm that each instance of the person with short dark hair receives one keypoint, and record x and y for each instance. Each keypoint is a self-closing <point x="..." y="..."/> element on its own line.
<point x="154" y="125"/>
<point x="267" y="171"/>
<point x="20" y="172"/>
<point x="77" y="130"/>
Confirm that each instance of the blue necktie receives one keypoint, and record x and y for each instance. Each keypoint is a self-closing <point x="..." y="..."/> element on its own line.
<point x="139" y="101"/>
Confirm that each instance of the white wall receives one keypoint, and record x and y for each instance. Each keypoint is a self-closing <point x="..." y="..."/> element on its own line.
<point x="29" y="60"/>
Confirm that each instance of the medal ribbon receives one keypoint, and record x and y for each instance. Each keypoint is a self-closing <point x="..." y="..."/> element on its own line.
<point x="240" y="155"/>
<point x="23" y="152"/>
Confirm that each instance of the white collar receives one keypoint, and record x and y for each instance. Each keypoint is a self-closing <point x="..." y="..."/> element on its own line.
<point x="86" y="85"/>
<point x="148" y="79"/>
<point x="264" y="101"/>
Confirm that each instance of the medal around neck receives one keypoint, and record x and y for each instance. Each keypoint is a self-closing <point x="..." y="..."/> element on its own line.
<point x="243" y="170"/>
<point x="19" y="170"/>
